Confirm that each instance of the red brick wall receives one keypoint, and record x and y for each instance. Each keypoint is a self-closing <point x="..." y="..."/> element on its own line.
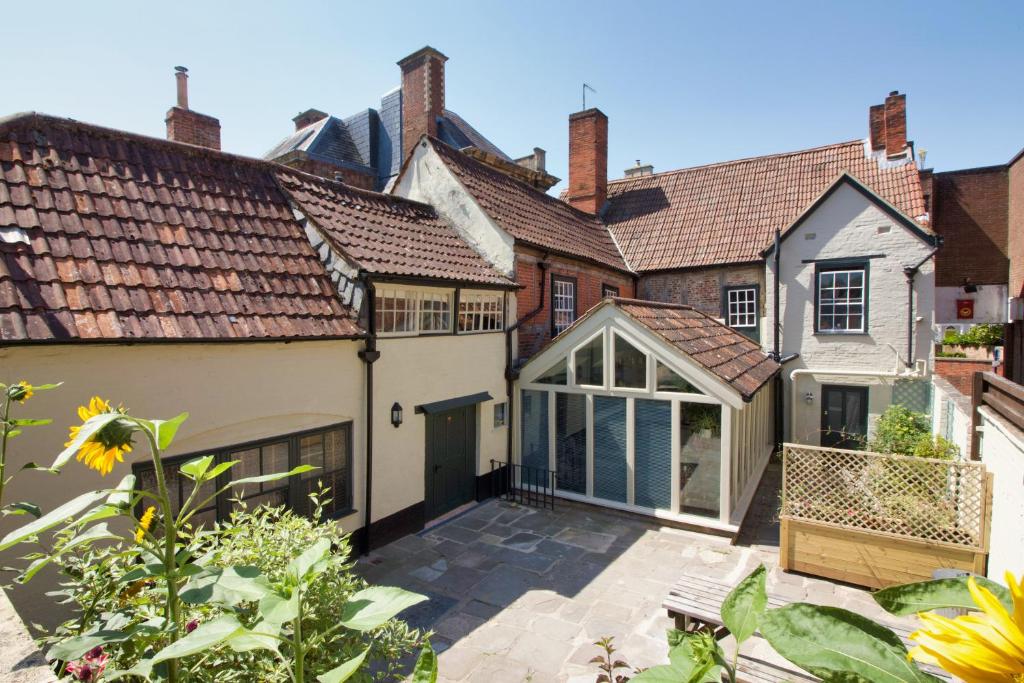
<point x="588" y="160"/>
<point x="535" y="332"/>
<point x="185" y="125"/>
<point x="971" y="214"/>
<point x="358" y="179"/>
<point x="1016" y="227"/>
<point x="701" y="288"/>
<point x="960" y="372"/>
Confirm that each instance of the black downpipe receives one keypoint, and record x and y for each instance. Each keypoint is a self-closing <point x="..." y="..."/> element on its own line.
<point x="369" y="355"/>
<point x="776" y="347"/>
<point x="508" y="357"/>
<point x="911" y="273"/>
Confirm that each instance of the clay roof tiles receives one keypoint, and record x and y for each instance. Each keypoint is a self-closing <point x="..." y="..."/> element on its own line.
<point x="727" y="212"/>
<point x="730" y="356"/>
<point x="531" y="216"/>
<point x="387" y="235"/>
<point x="105" y="235"/>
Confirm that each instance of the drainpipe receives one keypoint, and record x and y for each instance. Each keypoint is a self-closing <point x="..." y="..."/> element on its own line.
<point x="776" y="345"/>
<point x="369" y="355"/>
<point x="543" y="265"/>
<point x="911" y="273"/>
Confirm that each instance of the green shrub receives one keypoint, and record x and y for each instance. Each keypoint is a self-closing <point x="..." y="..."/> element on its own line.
<point x="984" y="334"/>
<point x="904" y="432"/>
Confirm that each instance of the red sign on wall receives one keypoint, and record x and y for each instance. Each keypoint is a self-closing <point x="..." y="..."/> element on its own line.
<point x="964" y="309"/>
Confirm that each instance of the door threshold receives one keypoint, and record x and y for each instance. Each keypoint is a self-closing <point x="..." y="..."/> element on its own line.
<point x="450" y="515"/>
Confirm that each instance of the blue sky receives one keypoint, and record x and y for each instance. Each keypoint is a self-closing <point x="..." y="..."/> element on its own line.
<point x="682" y="83"/>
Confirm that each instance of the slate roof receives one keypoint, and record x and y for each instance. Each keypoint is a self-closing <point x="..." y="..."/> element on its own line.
<point x="532" y="216"/>
<point x="329" y="139"/>
<point x="387" y="235"/>
<point x="727" y="212"/>
<point x="106" y="235"/>
<point x="455" y="131"/>
<point x="730" y="356"/>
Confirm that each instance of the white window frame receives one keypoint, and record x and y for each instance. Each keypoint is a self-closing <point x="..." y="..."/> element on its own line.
<point x="734" y="317"/>
<point x="558" y="281"/>
<point x="473" y="308"/>
<point x="636" y="344"/>
<point x="862" y="301"/>
<point x="415" y="297"/>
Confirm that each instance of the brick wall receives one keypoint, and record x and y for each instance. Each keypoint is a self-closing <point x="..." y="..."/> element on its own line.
<point x="422" y="95"/>
<point x="700" y="288"/>
<point x="971" y="214"/>
<point x="589" y="281"/>
<point x="1015" y="247"/>
<point x="185" y="125"/>
<point x="960" y="372"/>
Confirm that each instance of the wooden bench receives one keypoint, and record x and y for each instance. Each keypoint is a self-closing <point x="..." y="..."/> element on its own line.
<point x="696" y="601"/>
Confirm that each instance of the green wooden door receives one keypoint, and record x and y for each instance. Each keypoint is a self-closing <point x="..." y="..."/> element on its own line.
<point x="451" y="460"/>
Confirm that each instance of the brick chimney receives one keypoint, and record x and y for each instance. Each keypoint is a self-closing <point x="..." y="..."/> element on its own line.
<point x="185" y="125"/>
<point x="422" y="95"/>
<point x="308" y="117"/>
<point x="888" y="125"/>
<point x="588" y="160"/>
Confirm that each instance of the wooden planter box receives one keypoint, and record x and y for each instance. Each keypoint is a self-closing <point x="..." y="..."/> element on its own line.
<point x="865" y="558"/>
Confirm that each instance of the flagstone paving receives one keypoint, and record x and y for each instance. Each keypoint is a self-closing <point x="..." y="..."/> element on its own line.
<point x="520" y="594"/>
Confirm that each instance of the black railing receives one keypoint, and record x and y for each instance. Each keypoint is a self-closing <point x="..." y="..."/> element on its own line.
<point x="523" y="484"/>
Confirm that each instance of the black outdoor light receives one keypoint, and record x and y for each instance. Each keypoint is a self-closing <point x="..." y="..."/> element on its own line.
<point x="396" y="414"/>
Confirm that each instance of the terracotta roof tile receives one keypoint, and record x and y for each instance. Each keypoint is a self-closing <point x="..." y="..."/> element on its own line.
<point x="729" y="355"/>
<point x="728" y="212"/>
<point x="530" y="215"/>
<point x="387" y="235"/>
<point x="130" y="237"/>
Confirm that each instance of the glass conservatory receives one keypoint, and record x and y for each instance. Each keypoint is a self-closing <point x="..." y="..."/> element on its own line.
<point x="626" y="418"/>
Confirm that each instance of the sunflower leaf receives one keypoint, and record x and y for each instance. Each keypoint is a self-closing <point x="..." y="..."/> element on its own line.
<point x="52" y="518"/>
<point x="272" y="477"/>
<point x="923" y="596"/>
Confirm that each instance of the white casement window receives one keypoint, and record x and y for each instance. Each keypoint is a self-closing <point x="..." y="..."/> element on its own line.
<point x="842" y="300"/>
<point x="563" y="303"/>
<point x="480" y="312"/>
<point x="741" y="307"/>
<point x="410" y="311"/>
<point x="609" y="290"/>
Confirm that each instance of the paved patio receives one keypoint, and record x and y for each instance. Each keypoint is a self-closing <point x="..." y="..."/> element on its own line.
<point x="521" y="594"/>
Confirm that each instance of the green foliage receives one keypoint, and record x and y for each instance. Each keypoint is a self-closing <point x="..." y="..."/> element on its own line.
<point x="904" y="432"/>
<point x="984" y="334"/>
<point x="911" y="598"/>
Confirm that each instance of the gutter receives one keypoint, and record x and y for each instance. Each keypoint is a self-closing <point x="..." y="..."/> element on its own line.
<point x="543" y="265"/>
<point x="369" y="355"/>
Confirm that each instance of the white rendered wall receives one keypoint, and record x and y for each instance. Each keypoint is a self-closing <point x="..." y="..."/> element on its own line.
<point x="1002" y="452"/>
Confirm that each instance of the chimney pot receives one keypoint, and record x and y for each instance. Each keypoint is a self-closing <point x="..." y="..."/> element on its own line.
<point x="181" y="76"/>
<point x="588" y="160"/>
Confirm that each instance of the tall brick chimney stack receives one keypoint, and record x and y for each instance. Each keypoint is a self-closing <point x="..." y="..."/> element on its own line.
<point x="588" y="160"/>
<point x="185" y="125"/>
<point x="422" y="95"/>
<point x="888" y="125"/>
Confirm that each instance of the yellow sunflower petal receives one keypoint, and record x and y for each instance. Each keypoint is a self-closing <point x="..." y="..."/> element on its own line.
<point x="998" y="618"/>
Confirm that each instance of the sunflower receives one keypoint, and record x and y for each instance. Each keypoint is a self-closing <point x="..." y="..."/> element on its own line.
<point x="977" y="647"/>
<point x="20" y="392"/>
<point x="108" y="444"/>
<point x="144" y="523"/>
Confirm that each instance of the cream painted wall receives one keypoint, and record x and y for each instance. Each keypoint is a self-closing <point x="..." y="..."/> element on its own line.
<point x="233" y="392"/>
<point x="427" y="179"/>
<point x="1002" y="452"/>
<point x="418" y="370"/>
<point x="848" y="225"/>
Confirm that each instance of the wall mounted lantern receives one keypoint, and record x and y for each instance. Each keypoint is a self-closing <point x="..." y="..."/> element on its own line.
<point x="396" y="414"/>
<point x="808" y="397"/>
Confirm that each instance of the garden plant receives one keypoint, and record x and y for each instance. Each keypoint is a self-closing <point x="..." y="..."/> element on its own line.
<point x="266" y="596"/>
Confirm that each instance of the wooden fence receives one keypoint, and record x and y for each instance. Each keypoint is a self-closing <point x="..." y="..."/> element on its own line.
<point x="1003" y="396"/>
<point x="877" y="520"/>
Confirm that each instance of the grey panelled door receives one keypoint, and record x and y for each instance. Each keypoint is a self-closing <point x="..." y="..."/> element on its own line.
<point x="451" y="460"/>
<point x="844" y="416"/>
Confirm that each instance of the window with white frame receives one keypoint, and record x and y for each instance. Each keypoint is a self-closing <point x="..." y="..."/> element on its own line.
<point x="563" y="303"/>
<point x="410" y="311"/>
<point x="841" y="301"/>
<point x="741" y="308"/>
<point x="609" y="290"/>
<point x="481" y="312"/>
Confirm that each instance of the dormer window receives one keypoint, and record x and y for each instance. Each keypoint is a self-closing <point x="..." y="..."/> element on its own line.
<point x="402" y="311"/>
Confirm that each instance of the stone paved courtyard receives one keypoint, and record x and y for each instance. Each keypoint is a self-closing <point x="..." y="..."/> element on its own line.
<point x="521" y="594"/>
